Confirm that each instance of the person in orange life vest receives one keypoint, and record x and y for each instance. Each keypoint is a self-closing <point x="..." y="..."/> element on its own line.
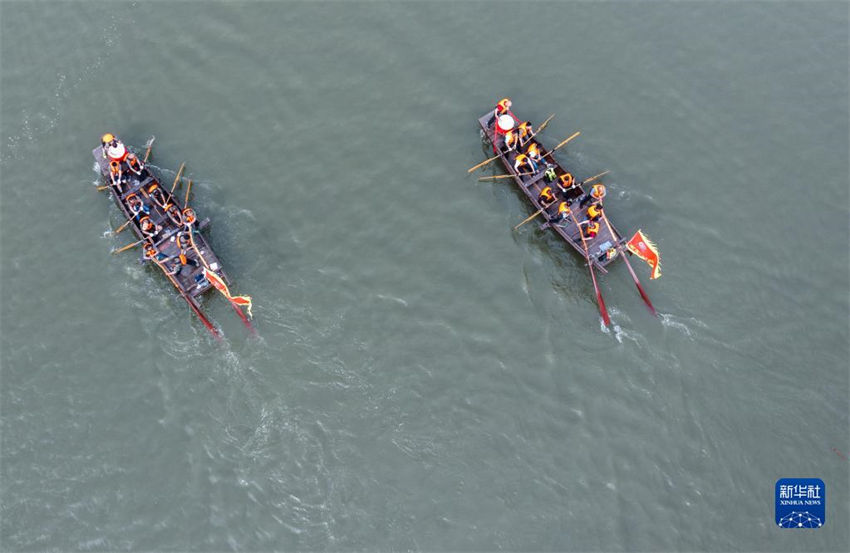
<point x="115" y="175"/>
<point x="523" y="162"/>
<point x="595" y="195"/>
<point x="502" y="107"/>
<point x="511" y="141"/>
<point x="137" y="206"/>
<point x="135" y="163"/>
<point x="533" y="151"/>
<point x="563" y="213"/>
<point x="594" y="212"/>
<point x="546" y="196"/>
<point x="153" y="254"/>
<point x="566" y="182"/>
<point x="591" y="229"/>
<point x="189" y="217"/>
<point x="525" y="131"/>
<point x="149" y="229"/>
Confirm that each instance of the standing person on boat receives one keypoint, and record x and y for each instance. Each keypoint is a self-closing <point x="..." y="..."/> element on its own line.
<point x="503" y="107"/>
<point x="595" y="195"/>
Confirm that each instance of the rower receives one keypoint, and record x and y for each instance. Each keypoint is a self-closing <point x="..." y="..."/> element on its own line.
<point x="525" y="132"/>
<point x="134" y="164"/>
<point x="591" y="230"/>
<point x="174" y="214"/>
<point x="523" y="160"/>
<point x="546" y="196"/>
<point x="137" y="206"/>
<point x="511" y="141"/>
<point x="112" y="147"/>
<point x="115" y="175"/>
<point x="189" y="217"/>
<point x="149" y="229"/>
<point x="184" y="243"/>
<point x="533" y="152"/>
<point x="595" y="195"/>
<point x="156" y="194"/>
<point x="563" y="213"/>
<point x="594" y="212"/>
<point x="566" y="182"/>
<point x="153" y="254"/>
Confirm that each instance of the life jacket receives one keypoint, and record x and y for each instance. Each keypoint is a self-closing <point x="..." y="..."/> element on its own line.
<point x="150" y="252"/>
<point x="592" y="229"/>
<point x="524" y="129"/>
<point x="564" y="208"/>
<point x="189" y="216"/>
<point x="598" y="191"/>
<point x="147" y="225"/>
<point x="546" y="194"/>
<point x="503" y="106"/>
<point x="534" y="151"/>
<point x="566" y="180"/>
<point x="134" y="164"/>
<point x="594" y="211"/>
<point x="611" y="253"/>
<point x="521" y="159"/>
<point x="511" y="139"/>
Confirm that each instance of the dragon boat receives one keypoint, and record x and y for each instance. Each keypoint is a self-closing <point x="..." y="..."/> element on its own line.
<point x="599" y="250"/>
<point x="168" y="230"/>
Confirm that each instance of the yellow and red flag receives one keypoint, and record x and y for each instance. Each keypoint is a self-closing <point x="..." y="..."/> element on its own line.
<point x="646" y="250"/>
<point x="219" y="284"/>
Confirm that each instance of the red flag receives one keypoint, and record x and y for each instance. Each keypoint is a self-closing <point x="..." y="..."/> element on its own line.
<point x="219" y="284"/>
<point x="646" y="250"/>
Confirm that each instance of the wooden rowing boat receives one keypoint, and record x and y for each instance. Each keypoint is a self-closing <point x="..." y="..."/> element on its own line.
<point x="531" y="185"/>
<point x="183" y="250"/>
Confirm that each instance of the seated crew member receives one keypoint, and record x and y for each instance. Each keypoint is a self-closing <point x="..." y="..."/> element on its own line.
<point x="594" y="212"/>
<point x="563" y="213"/>
<point x="596" y="194"/>
<point x="610" y="253"/>
<point x="550" y="175"/>
<point x="591" y="229"/>
<point x="137" y="206"/>
<point x="153" y="254"/>
<point x="149" y="229"/>
<point x="566" y="182"/>
<point x="534" y="153"/>
<point x="184" y="243"/>
<point x="525" y="132"/>
<point x="135" y="164"/>
<point x="189" y="217"/>
<point x="511" y="141"/>
<point x="156" y="193"/>
<point x="174" y="214"/>
<point x="523" y="162"/>
<point x="546" y="196"/>
<point x="115" y="175"/>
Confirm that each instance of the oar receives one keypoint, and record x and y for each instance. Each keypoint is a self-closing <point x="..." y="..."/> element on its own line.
<point x="148" y="152"/>
<point x="535" y="214"/>
<point x="629" y="265"/>
<point x="483" y="163"/>
<point x="599" y="301"/>
<point x="122" y="227"/>
<point x="188" y="188"/>
<point x="197" y="311"/>
<point x="128" y="246"/>
<point x="496" y="177"/>
<point x="594" y="177"/>
<point x="103" y="187"/>
<point x="177" y="178"/>
<point x="543" y="125"/>
<point x="564" y="143"/>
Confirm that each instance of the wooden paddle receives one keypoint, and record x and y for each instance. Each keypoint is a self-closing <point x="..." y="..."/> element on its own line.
<point x="599" y="301"/>
<point x="535" y="214"/>
<point x="128" y="246"/>
<point x="629" y="265"/>
<point x="564" y="143"/>
<point x="497" y="177"/>
<point x="122" y="227"/>
<point x="177" y="178"/>
<point x="148" y="152"/>
<point x="188" y="188"/>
